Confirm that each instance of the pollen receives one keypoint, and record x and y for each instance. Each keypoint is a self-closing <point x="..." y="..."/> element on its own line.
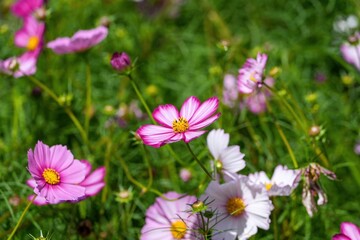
<point x="51" y="176"/>
<point x="268" y="186"/>
<point x="178" y="229"/>
<point x="235" y="206"/>
<point x="180" y="125"/>
<point x="33" y="43"/>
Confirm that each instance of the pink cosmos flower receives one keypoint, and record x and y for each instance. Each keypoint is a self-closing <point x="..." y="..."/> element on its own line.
<point x="79" y="42"/>
<point x="184" y="125"/>
<point x="348" y="231"/>
<point x="23" y="8"/>
<point x="251" y="74"/>
<point x="230" y="92"/>
<point x="185" y="174"/>
<point x="93" y="184"/>
<point x="256" y="101"/>
<point x="169" y="220"/>
<point x="282" y="183"/>
<point x="351" y="54"/>
<point x="240" y="208"/>
<point x="20" y="66"/>
<point x="57" y="175"/>
<point x="31" y="35"/>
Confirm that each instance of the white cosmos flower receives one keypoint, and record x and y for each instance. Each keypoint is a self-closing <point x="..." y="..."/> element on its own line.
<point x="240" y="208"/>
<point x="282" y="183"/>
<point x="227" y="159"/>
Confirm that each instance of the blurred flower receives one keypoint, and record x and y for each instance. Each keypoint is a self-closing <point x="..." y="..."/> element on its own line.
<point x="312" y="186"/>
<point x="346" y="25"/>
<point x="185" y="174"/>
<point x="282" y="183"/>
<point x="256" y="101"/>
<point x="175" y="126"/>
<point x="120" y="61"/>
<point x="151" y="90"/>
<point x="230" y="93"/>
<point x="168" y="220"/>
<point x="124" y="195"/>
<point x="241" y="207"/>
<point x="24" y="8"/>
<point x="347" y="79"/>
<point x="314" y="130"/>
<point x="320" y="77"/>
<point x="20" y="66"/>
<point x="31" y="35"/>
<point x="251" y="74"/>
<point x="227" y="159"/>
<point x="169" y="8"/>
<point x="79" y="42"/>
<point x="14" y="200"/>
<point x="351" y="51"/>
<point x="57" y="175"/>
<point x="348" y="231"/>
<point x="357" y="148"/>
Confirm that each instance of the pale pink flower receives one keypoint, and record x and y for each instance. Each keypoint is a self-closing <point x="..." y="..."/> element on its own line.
<point x="24" y="8"/>
<point x="230" y="92"/>
<point x="20" y="66"/>
<point x="256" y="101"/>
<point x="357" y="148"/>
<point x="185" y="174"/>
<point x="240" y="209"/>
<point x="282" y="183"/>
<point x="184" y="125"/>
<point x="348" y="231"/>
<point x="79" y="42"/>
<point x="31" y="35"/>
<point x="351" y="51"/>
<point x="169" y="220"/>
<point x="251" y="74"/>
<point x="56" y="173"/>
<point x="227" y="159"/>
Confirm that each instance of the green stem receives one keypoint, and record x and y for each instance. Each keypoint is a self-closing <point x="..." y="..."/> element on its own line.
<point x="283" y="137"/>
<point x="198" y="161"/>
<point x="21" y="218"/>
<point x="88" y="100"/>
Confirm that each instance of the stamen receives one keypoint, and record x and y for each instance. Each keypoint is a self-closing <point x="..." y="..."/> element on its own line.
<point x="178" y="229"/>
<point x="235" y="206"/>
<point x="268" y="186"/>
<point x="51" y="176"/>
<point x="180" y="125"/>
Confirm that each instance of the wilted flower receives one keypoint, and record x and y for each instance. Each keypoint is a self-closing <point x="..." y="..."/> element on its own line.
<point x="24" y="8"/>
<point x="241" y="209"/>
<point x="227" y="159"/>
<point x="230" y="92"/>
<point x="282" y="183"/>
<point x="184" y="125"/>
<point x="169" y="219"/>
<point x="312" y="186"/>
<point x="256" y="101"/>
<point x="20" y="66"/>
<point x="31" y="35"/>
<point x="79" y="42"/>
<point x="251" y="74"/>
<point x="120" y="61"/>
<point x="348" y="231"/>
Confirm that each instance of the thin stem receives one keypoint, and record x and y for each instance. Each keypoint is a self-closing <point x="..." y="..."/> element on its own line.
<point x="88" y="99"/>
<point x="147" y="163"/>
<point x="108" y="152"/>
<point x="21" y="218"/>
<point x="198" y="161"/>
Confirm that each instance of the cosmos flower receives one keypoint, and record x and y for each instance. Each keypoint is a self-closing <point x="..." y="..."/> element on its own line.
<point x="241" y="209"/>
<point x="313" y="188"/>
<point x="251" y="74"/>
<point x="79" y="42"/>
<point x="348" y="231"/>
<point x="93" y="183"/>
<point x="56" y="173"/>
<point x="31" y="35"/>
<point x="20" y="66"/>
<point x="227" y="159"/>
<point x="230" y="92"/>
<point x="351" y="51"/>
<point x="184" y="125"/>
<point x="282" y="183"/>
<point x="24" y="8"/>
<point x="120" y="61"/>
<point x="169" y="220"/>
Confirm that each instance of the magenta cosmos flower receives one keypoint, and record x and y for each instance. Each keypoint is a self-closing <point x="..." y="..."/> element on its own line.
<point x="251" y="74"/>
<point x="184" y="125"/>
<point x="24" y="8"/>
<point x="93" y="183"/>
<point x="348" y="231"/>
<point x="169" y="220"/>
<point x="20" y="66"/>
<point x="79" y="42"/>
<point x="120" y="61"/>
<point x="31" y="35"/>
<point x="57" y="174"/>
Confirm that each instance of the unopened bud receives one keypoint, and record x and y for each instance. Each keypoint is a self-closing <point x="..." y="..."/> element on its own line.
<point x="198" y="206"/>
<point x="314" y="131"/>
<point x="120" y="61"/>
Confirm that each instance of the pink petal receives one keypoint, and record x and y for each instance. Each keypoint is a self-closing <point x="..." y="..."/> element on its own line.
<point x="68" y="192"/>
<point x="60" y="158"/>
<point x="189" y="107"/>
<point x="166" y="114"/>
<point x="156" y="136"/>
<point x="350" y="230"/>
<point x="39" y="201"/>
<point x="190" y="135"/>
<point x="95" y="177"/>
<point x="340" y="237"/>
<point x="206" y="109"/>
<point x="205" y="123"/>
<point x="87" y="167"/>
<point x="94" y="189"/>
<point x="31" y="183"/>
<point x="21" y="38"/>
<point x="74" y="174"/>
<point x="60" y="45"/>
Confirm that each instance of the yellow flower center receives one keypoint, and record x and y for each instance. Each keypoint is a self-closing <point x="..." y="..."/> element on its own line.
<point x="180" y="125"/>
<point x="218" y="165"/>
<point x="178" y="229"/>
<point x="235" y="206"/>
<point x="252" y="78"/>
<point x="51" y="176"/>
<point x="268" y="186"/>
<point x="33" y="43"/>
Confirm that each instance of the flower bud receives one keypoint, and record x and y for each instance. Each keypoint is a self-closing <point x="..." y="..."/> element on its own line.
<point x="120" y="61"/>
<point x="314" y="131"/>
<point x="185" y="174"/>
<point x="198" y="206"/>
